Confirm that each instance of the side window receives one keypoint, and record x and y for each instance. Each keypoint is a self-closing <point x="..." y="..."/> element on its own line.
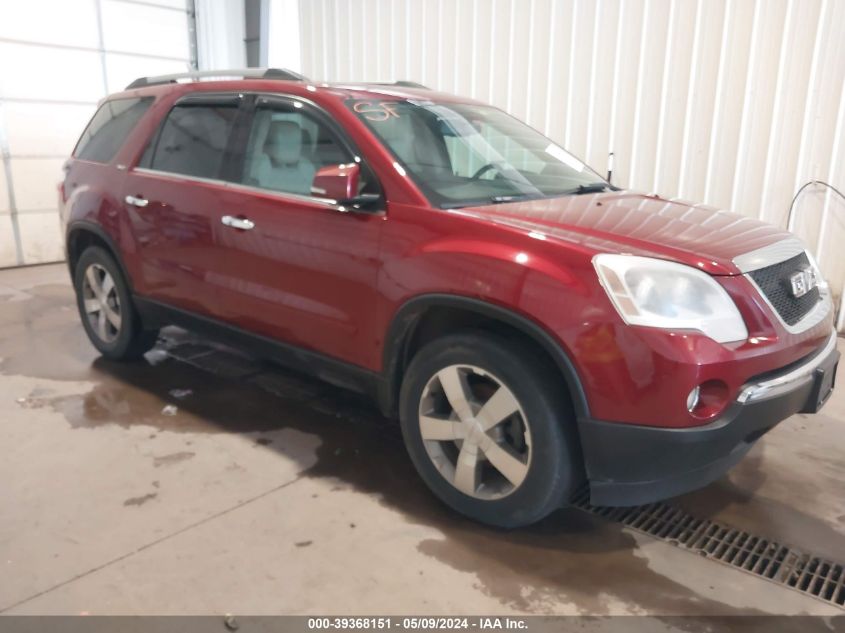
<point x="109" y="127"/>
<point x="286" y="147"/>
<point x="192" y="140"/>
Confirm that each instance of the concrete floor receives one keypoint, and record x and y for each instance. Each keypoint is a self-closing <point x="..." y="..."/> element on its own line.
<point x="268" y="493"/>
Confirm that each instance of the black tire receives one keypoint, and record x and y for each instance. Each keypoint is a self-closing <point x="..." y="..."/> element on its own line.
<point x="131" y="340"/>
<point x="554" y="470"/>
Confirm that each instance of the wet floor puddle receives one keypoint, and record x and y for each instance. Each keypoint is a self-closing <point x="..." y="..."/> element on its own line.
<point x="571" y="557"/>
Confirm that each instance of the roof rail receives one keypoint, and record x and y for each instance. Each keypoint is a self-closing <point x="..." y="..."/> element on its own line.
<point x="409" y="84"/>
<point x="402" y="83"/>
<point x="243" y="73"/>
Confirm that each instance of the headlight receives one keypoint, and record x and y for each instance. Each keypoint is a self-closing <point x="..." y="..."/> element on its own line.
<point x="657" y="293"/>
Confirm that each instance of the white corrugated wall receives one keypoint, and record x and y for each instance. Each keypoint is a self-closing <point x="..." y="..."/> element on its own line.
<point x="57" y="59"/>
<point x="733" y="103"/>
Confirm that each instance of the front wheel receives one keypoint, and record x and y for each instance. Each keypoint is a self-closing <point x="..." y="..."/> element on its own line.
<point x="489" y="430"/>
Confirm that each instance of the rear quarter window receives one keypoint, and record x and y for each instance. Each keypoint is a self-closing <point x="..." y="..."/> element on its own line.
<point x="192" y="140"/>
<point x="109" y="127"/>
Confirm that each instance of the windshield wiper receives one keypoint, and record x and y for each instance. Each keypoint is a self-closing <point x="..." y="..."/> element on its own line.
<point x="459" y="204"/>
<point x="593" y="187"/>
<point x="511" y="198"/>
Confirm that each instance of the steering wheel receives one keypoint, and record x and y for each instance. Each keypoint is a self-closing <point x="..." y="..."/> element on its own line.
<point x="496" y="165"/>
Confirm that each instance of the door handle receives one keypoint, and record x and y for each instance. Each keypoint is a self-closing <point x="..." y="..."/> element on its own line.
<point x="136" y="202"/>
<point x="238" y="223"/>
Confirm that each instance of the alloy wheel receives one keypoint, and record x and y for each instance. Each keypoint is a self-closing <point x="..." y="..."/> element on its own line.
<point x="475" y="431"/>
<point x="101" y="303"/>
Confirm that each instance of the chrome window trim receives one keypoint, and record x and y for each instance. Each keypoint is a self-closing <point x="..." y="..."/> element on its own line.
<point x="281" y="195"/>
<point x="272" y="97"/>
<point x="769" y="255"/>
<point x="789" y="381"/>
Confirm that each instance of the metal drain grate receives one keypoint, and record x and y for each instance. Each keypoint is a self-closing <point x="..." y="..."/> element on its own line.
<point x="812" y="575"/>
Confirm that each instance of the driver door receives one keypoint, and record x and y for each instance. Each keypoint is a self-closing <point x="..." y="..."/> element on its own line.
<point x="296" y="268"/>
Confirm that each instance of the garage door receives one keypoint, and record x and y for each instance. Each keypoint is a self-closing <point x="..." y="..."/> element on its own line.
<point x="58" y="58"/>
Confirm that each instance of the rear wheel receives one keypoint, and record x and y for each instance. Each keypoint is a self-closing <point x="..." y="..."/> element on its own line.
<point x="106" y="309"/>
<point x="488" y="429"/>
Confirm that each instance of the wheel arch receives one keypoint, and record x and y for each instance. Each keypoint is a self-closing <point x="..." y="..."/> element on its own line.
<point x="438" y="314"/>
<point x="80" y="235"/>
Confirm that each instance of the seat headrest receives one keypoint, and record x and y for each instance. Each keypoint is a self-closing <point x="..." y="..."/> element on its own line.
<point x="284" y="142"/>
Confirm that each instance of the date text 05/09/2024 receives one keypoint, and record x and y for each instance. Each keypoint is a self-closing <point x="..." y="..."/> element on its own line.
<point x="418" y="623"/>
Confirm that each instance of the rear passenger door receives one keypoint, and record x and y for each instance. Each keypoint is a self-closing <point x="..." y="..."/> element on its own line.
<point x="172" y="200"/>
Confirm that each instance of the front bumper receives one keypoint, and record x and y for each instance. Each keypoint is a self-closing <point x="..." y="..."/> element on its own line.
<point x="630" y="464"/>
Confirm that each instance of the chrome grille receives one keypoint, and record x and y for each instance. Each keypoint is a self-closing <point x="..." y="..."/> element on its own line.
<point x="774" y="283"/>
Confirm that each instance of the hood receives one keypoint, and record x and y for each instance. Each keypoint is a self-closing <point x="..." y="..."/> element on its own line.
<point x="640" y="224"/>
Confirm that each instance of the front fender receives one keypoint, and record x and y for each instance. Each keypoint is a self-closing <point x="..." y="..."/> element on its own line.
<point x="543" y="288"/>
<point x="409" y="314"/>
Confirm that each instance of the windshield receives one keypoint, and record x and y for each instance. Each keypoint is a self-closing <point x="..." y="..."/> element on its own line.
<point x="461" y="154"/>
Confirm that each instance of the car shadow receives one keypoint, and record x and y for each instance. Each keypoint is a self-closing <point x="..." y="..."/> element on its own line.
<point x="190" y="385"/>
<point x="572" y="561"/>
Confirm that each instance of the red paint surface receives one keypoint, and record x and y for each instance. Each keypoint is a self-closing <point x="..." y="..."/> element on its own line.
<point x="332" y="282"/>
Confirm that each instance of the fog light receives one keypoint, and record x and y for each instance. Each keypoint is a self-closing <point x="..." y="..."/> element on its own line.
<point x="692" y="399"/>
<point x="708" y="400"/>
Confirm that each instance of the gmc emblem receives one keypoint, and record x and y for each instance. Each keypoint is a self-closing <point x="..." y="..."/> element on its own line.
<point x="803" y="282"/>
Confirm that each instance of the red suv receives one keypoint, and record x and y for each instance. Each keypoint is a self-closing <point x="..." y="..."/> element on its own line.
<point x="533" y="327"/>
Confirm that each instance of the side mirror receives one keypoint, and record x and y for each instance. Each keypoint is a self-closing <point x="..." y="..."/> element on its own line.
<point x="340" y="183"/>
